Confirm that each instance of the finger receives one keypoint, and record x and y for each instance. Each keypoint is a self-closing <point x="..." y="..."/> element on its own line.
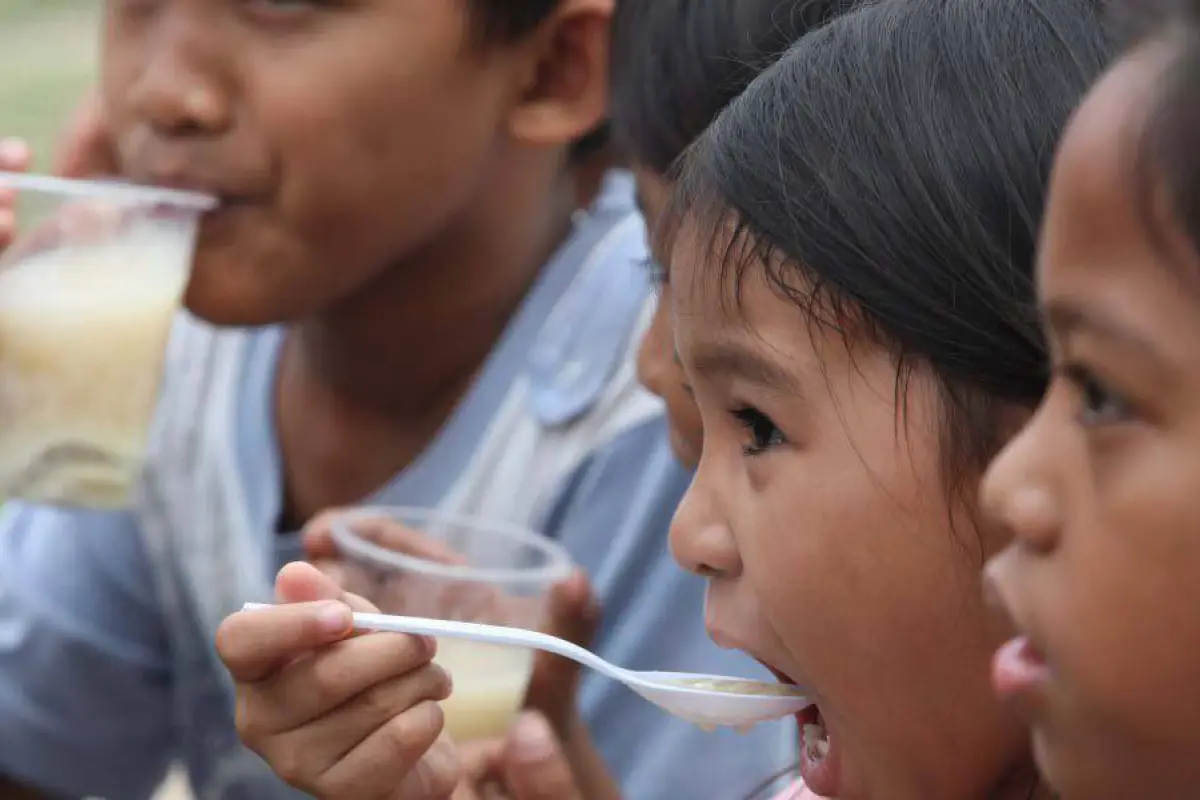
<point x="481" y="760"/>
<point x="391" y="761"/>
<point x="15" y="155"/>
<point x="377" y="675"/>
<point x="353" y="578"/>
<point x="535" y="767"/>
<point x="255" y="644"/>
<point x="8" y="224"/>
<point x="318" y="536"/>
<point x="397" y="537"/>
<point x="308" y="762"/>
<point x="574" y="615"/>
<point x="574" y="612"/>
<point x="301" y="583"/>
<point x="440" y="767"/>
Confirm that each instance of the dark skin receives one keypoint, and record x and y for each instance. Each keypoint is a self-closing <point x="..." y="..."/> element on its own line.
<point x="390" y="187"/>
<point x="249" y="101"/>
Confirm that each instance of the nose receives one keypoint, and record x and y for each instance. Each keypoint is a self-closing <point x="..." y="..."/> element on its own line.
<point x="181" y="88"/>
<point x="701" y="540"/>
<point x="1018" y="491"/>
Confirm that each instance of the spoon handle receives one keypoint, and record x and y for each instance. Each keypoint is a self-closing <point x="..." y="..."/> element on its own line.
<point x="477" y="632"/>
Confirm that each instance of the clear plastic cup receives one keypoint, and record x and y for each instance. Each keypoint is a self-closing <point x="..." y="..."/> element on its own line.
<point x="88" y="291"/>
<point x="424" y="563"/>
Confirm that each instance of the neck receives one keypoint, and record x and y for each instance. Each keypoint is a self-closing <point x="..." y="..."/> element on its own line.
<point x="411" y="341"/>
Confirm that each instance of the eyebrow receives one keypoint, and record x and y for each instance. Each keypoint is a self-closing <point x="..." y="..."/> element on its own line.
<point x="733" y="360"/>
<point x="1067" y="317"/>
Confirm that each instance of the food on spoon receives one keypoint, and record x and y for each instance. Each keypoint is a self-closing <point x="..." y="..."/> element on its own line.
<point x="737" y="686"/>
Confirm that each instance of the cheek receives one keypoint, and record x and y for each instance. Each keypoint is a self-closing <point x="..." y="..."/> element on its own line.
<point x="859" y="587"/>
<point x="374" y="160"/>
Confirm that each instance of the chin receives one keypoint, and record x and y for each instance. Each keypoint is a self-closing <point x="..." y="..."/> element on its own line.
<point x="237" y="305"/>
<point x="1069" y="774"/>
<point x="237" y="289"/>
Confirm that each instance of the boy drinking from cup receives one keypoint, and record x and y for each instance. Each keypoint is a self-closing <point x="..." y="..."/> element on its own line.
<point x="395" y="302"/>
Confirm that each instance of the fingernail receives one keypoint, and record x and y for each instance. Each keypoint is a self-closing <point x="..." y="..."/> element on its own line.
<point x="13" y="151"/>
<point x="335" y="618"/>
<point x="533" y="740"/>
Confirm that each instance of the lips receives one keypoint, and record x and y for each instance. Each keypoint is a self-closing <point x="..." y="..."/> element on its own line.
<point x="1019" y="670"/>
<point x="820" y="757"/>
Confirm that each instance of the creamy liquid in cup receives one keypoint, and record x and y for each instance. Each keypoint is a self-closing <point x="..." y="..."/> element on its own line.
<point x="489" y="687"/>
<point x="83" y="337"/>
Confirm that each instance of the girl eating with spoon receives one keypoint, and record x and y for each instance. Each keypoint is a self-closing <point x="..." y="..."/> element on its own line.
<point x="852" y="300"/>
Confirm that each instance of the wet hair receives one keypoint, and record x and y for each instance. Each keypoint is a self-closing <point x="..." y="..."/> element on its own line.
<point x="1166" y="156"/>
<point x="677" y="63"/>
<point x="890" y="171"/>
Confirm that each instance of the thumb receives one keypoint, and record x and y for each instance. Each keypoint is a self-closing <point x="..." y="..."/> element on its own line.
<point x="535" y="767"/>
<point x="303" y="583"/>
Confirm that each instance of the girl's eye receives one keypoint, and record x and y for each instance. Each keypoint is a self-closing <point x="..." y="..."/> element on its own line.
<point x="1098" y="404"/>
<point x="655" y="272"/>
<point x="761" y="431"/>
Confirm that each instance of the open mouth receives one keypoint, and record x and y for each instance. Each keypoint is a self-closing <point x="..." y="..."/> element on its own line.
<point x="814" y="738"/>
<point x="819" y="756"/>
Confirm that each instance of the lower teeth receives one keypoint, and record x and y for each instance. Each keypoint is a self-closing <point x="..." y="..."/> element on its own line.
<point x="816" y="741"/>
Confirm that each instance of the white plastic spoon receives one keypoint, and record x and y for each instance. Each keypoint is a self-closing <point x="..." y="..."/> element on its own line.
<point x="705" y="700"/>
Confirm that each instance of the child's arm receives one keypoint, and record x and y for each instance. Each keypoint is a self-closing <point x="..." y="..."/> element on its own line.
<point x="334" y="714"/>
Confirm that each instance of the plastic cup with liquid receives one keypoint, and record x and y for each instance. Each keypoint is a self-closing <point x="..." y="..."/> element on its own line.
<point x="88" y="291"/>
<point x="425" y="563"/>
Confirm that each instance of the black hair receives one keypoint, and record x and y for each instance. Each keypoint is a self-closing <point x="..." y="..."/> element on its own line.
<point x="676" y="63"/>
<point x="1167" y="156"/>
<point x="508" y="20"/>
<point x="891" y="170"/>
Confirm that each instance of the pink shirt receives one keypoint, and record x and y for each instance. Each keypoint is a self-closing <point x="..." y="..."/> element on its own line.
<point x="797" y="791"/>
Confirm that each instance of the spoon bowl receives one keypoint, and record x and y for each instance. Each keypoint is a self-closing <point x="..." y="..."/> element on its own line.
<point x="705" y="700"/>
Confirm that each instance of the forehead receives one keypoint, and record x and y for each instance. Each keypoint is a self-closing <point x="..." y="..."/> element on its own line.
<point x="1108" y="241"/>
<point x="1094" y="215"/>
<point x="721" y="295"/>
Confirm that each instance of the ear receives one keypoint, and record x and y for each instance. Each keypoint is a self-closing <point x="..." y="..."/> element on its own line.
<point x="565" y="90"/>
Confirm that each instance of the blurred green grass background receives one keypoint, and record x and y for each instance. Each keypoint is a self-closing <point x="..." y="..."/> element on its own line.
<point x="47" y="61"/>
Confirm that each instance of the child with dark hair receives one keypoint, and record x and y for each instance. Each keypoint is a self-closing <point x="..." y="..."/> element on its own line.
<point x="695" y="57"/>
<point x="399" y="303"/>
<point x="675" y="65"/>
<point x="851" y="256"/>
<point x="1099" y="489"/>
